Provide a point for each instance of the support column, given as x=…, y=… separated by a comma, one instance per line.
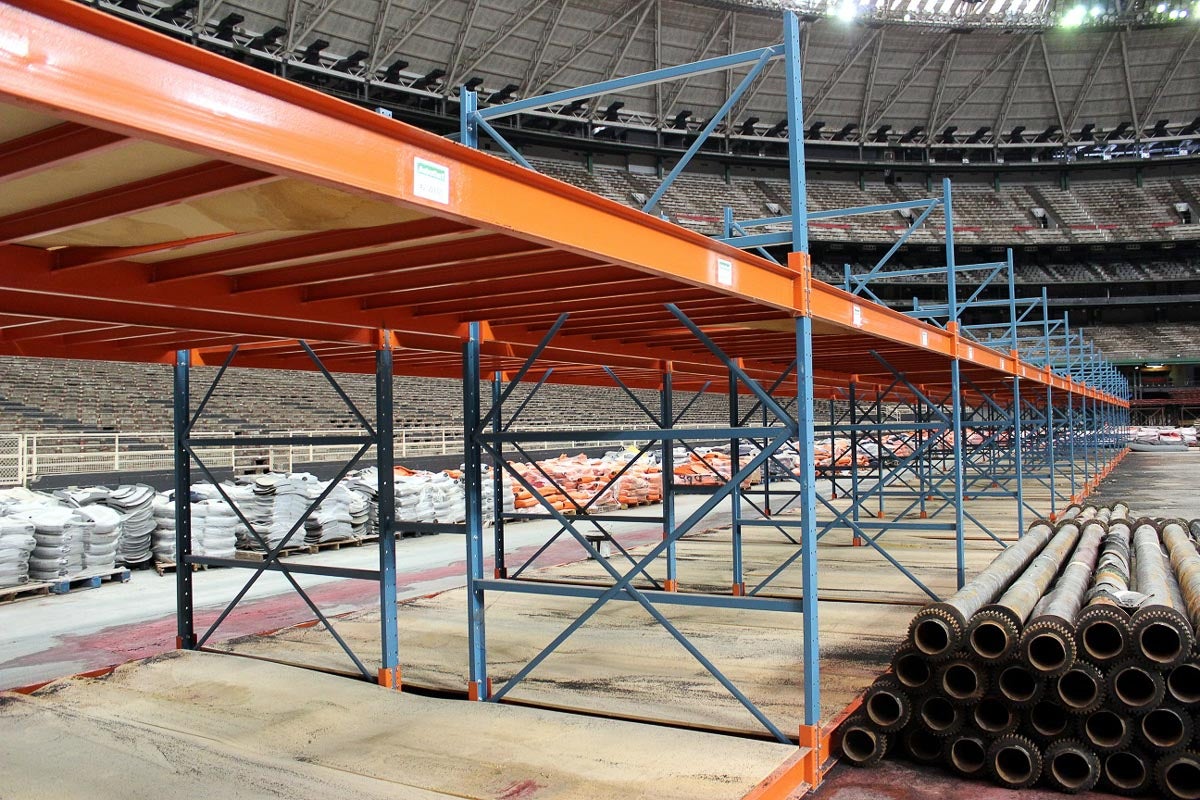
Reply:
x=478, y=683
x=855, y=541
x=1018, y=443
x=498, y=496
x=667, y=421
x=1050, y=452
x=956, y=424
x=766, y=475
x=805, y=433
x=735, y=497
x=185, y=637
x=1076, y=496
x=389, y=670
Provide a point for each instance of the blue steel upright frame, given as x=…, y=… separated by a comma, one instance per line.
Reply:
x=938, y=466
x=187, y=448
x=485, y=437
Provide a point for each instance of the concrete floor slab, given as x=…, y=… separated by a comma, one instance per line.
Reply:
x=187, y=725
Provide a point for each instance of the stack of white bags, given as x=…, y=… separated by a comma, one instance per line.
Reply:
x=61, y=534
x=489, y=507
x=135, y=505
x=101, y=540
x=330, y=521
x=163, y=538
x=16, y=544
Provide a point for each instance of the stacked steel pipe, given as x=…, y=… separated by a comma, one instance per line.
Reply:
x=1071, y=659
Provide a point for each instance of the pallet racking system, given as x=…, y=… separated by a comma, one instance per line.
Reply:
x=163, y=204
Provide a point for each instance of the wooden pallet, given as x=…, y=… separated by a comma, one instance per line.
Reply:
x=338, y=544
x=163, y=567
x=89, y=581
x=305, y=549
x=260, y=555
x=25, y=591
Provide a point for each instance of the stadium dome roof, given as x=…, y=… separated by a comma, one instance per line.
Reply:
x=930, y=65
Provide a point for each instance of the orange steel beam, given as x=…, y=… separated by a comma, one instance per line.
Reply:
x=125, y=282
x=638, y=289
x=78, y=257
x=325, y=243
x=407, y=283
x=44, y=328
x=55, y=146
x=91, y=309
x=593, y=319
x=263, y=123
x=440, y=254
x=202, y=180
x=657, y=325
x=468, y=285
x=115, y=333
x=266, y=123
x=549, y=307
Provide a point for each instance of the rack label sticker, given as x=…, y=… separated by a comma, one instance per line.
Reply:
x=857, y=316
x=924, y=338
x=970, y=352
x=431, y=181
x=724, y=272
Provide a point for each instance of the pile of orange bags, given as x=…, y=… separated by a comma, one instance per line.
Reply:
x=580, y=479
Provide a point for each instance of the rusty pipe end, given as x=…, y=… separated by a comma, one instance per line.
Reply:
x=1071, y=766
x=887, y=705
x=1081, y=688
x=962, y=681
x=1106, y=731
x=1161, y=636
x=862, y=745
x=921, y=745
x=1014, y=761
x=1048, y=720
x=1178, y=775
x=1048, y=647
x=967, y=754
x=1128, y=772
x=937, y=631
x=1020, y=686
x=993, y=634
x=1135, y=687
x=1102, y=633
x=939, y=716
x=1183, y=684
x=911, y=668
x=1165, y=729
x=994, y=716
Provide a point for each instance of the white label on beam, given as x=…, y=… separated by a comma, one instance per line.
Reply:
x=970, y=353
x=724, y=272
x=431, y=181
x=924, y=338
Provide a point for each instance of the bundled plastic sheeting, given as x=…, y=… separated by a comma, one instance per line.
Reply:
x=330, y=521
x=214, y=529
x=61, y=534
x=359, y=510
x=163, y=538
x=365, y=484
x=291, y=499
x=489, y=494
x=135, y=505
x=16, y=544
x=100, y=543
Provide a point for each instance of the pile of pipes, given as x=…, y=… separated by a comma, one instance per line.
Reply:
x=1072, y=658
